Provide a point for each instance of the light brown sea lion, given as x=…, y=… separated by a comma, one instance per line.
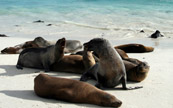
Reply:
x=110, y=70
x=41, y=58
x=10, y=50
x=136, y=72
x=72, y=91
x=19, y=48
x=135, y=48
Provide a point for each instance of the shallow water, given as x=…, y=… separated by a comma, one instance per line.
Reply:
x=85, y=19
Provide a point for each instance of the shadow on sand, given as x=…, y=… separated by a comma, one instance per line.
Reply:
x=30, y=95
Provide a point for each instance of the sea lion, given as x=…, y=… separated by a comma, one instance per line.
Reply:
x=3, y=35
x=39, y=42
x=10, y=50
x=72, y=46
x=41, y=58
x=13, y=50
x=74, y=63
x=72, y=91
x=69, y=63
x=19, y=48
x=110, y=70
x=156, y=34
x=38, y=21
x=136, y=72
x=134, y=48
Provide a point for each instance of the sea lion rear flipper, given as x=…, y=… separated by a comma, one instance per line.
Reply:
x=92, y=72
x=124, y=82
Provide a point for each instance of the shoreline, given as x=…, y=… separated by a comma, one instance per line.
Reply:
x=16, y=87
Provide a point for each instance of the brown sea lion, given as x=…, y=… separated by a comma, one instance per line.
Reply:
x=72, y=91
x=134, y=48
x=110, y=70
x=41, y=58
x=136, y=72
x=74, y=63
x=10, y=50
x=19, y=48
x=69, y=63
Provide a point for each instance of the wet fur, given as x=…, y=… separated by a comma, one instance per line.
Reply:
x=41, y=58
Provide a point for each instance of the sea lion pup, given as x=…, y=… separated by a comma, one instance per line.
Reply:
x=134, y=48
x=74, y=63
x=136, y=72
x=110, y=70
x=19, y=48
x=41, y=58
x=72, y=91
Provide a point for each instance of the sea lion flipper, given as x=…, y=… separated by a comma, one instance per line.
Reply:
x=92, y=72
x=19, y=67
x=123, y=79
x=98, y=85
x=46, y=66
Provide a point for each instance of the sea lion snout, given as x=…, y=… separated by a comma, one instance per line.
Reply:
x=85, y=44
x=61, y=43
x=116, y=104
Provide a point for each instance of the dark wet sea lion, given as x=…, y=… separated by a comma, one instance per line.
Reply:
x=41, y=58
x=38, y=21
x=156, y=34
x=72, y=91
x=134, y=48
x=110, y=70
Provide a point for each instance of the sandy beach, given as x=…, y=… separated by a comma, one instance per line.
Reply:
x=16, y=88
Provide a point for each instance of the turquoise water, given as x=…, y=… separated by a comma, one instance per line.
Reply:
x=108, y=17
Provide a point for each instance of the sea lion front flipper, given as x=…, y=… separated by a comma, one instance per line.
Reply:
x=92, y=72
x=19, y=67
x=124, y=82
x=46, y=67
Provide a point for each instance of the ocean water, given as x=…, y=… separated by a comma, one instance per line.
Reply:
x=85, y=19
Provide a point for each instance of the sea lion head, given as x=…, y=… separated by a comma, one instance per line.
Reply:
x=110, y=100
x=30, y=44
x=143, y=67
x=41, y=42
x=59, y=47
x=96, y=44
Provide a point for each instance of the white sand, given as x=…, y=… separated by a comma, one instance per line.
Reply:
x=16, y=86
